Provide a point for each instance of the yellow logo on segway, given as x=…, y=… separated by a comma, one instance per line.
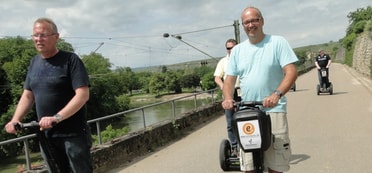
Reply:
x=248, y=128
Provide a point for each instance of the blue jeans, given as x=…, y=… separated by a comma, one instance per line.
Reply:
x=230, y=134
x=72, y=153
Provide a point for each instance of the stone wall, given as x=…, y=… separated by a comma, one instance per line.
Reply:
x=125, y=149
x=340, y=55
x=363, y=54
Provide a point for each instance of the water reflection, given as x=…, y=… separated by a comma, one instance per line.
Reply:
x=152, y=115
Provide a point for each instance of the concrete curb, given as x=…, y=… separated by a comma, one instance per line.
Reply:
x=365, y=80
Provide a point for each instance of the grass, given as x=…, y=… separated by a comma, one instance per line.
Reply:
x=13, y=165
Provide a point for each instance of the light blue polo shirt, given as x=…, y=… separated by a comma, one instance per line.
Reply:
x=259, y=67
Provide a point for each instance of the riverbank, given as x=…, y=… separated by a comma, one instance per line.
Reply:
x=146, y=99
x=174, y=96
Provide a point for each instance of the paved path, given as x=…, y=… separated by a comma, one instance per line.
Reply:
x=329, y=133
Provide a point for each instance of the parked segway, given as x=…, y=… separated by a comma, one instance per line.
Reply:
x=49, y=153
x=252, y=128
x=322, y=86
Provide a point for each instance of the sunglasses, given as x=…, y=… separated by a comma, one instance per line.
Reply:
x=229, y=48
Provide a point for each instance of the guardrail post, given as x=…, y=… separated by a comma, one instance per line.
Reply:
x=99, y=133
x=213, y=96
x=174, y=110
x=144, y=118
x=27, y=154
x=195, y=102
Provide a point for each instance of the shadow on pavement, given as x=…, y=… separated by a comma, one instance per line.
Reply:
x=297, y=158
x=298, y=90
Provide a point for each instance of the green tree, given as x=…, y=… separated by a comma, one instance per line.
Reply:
x=207, y=81
x=63, y=45
x=201, y=71
x=164, y=69
x=172, y=82
x=358, y=18
x=16, y=54
x=143, y=81
x=103, y=92
x=128, y=79
x=360, y=14
x=96, y=64
x=157, y=83
x=190, y=81
x=123, y=102
x=105, y=86
x=5, y=93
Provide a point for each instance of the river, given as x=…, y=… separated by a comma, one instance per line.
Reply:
x=159, y=113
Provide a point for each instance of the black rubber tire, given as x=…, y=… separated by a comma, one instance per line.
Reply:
x=318, y=89
x=225, y=152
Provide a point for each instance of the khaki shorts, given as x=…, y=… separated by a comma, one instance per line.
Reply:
x=278, y=155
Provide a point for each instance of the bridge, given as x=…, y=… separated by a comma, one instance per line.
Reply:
x=329, y=133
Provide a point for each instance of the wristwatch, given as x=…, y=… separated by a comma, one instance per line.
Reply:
x=58, y=117
x=278, y=93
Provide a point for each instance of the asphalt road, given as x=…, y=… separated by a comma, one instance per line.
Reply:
x=329, y=133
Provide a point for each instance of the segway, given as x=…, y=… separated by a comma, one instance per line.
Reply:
x=252, y=129
x=293, y=87
x=322, y=86
x=48, y=151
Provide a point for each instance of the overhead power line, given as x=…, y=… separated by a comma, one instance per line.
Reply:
x=204, y=30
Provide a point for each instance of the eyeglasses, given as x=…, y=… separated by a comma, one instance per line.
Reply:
x=229, y=48
x=252, y=21
x=43, y=36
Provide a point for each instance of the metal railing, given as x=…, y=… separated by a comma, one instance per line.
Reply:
x=145, y=123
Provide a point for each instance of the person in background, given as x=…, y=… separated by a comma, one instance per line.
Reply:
x=219, y=76
x=323, y=61
x=58, y=84
x=266, y=69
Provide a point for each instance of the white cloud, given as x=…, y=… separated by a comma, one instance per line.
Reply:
x=132, y=31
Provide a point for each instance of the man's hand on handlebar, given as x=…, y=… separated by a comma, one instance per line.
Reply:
x=47, y=122
x=270, y=101
x=9, y=127
x=228, y=104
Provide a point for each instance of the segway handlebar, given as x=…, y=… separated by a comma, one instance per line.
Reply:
x=248, y=103
x=32, y=124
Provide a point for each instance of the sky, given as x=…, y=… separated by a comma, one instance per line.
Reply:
x=130, y=33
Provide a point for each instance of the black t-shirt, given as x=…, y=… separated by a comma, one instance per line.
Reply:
x=322, y=60
x=53, y=81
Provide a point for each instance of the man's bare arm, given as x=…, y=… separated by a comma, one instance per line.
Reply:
x=228, y=92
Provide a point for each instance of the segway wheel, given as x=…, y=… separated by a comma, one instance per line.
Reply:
x=331, y=89
x=318, y=89
x=293, y=87
x=225, y=152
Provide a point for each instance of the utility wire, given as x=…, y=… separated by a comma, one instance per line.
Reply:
x=204, y=30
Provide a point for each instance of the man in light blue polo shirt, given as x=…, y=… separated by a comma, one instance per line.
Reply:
x=265, y=66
